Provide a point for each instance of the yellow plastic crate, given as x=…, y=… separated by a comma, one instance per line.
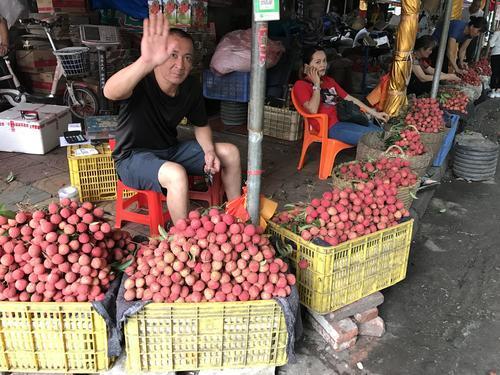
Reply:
x=52, y=337
x=339, y=275
x=194, y=336
x=95, y=175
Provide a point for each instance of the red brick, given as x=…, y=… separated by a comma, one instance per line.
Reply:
x=374, y=327
x=365, y=316
x=345, y=345
x=363, y=304
x=344, y=330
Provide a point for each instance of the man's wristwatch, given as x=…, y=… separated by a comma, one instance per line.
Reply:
x=316, y=87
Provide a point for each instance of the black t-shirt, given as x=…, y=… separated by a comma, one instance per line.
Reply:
x=149, y=118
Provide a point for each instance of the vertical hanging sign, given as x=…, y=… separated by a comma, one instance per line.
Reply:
x=266, y=10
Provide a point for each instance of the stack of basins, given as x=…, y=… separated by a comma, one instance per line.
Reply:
x=475, y=157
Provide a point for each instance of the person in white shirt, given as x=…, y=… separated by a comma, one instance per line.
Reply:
x=495, y=64
x=473, y=11
x=358, y=39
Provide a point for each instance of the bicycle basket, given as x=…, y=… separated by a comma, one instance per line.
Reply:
x=74, y=60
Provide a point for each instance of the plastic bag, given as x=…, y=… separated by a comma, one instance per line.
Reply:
x=12, y=10
x=233, y=53
x=238, y=208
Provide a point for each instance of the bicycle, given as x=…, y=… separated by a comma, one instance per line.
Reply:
x=72, y=63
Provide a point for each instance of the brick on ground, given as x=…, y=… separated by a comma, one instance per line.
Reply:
x=335, y=333
x=366, y=303
x=366, y=315
x=345, y=345
x=374, y=327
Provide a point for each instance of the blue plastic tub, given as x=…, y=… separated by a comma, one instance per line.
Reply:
x=447, y=141
x=232, y=87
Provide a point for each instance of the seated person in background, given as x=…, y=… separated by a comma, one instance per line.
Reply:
x=421, y=71
x=318, y=93
x=358, y=39
x=474, y=10
x=158, y=92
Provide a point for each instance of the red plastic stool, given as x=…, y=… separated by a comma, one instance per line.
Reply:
x=213, y=195
x=147, y=199
x=153, y=202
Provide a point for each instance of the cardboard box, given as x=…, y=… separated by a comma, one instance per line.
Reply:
x=69, y=6
x=36, y=60
x=88, y=18
x=41, y=83
x=33, y=136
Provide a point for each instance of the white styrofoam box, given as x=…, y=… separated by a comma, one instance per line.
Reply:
x=33, y=136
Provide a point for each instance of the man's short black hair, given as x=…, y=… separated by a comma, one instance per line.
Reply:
x=181, y=34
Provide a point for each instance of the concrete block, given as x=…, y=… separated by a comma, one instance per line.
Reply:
x=374, y=327
x=366, y=303
x=270, y=370
x=366, y=315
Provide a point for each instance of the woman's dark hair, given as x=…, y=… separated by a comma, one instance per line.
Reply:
x=309, y=52
x=425, y=42
x=479, y=23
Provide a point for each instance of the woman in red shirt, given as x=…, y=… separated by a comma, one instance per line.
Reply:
x=318, y=93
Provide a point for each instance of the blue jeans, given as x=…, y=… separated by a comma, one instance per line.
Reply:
x=350, y=133
x=140, y=169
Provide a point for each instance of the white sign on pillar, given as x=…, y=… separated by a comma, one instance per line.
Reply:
x=266, y=10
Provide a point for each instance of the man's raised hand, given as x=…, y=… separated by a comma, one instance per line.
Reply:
x=154, y=43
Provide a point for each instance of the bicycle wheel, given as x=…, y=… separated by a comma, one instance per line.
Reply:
x=87, y=102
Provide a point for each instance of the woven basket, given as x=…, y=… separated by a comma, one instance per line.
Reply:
x=469, y=91
x=404, y=193
x=370, y=146
x=282, y=123
x=433, y=141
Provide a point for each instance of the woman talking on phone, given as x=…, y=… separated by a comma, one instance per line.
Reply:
x=318, y=93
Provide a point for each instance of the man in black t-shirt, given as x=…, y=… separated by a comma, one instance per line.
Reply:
x=158, y=92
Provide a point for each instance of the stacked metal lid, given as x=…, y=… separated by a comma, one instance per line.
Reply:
x=475, y=157
x=233, y=113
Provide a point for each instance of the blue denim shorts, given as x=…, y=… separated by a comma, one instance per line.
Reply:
x=140, y=169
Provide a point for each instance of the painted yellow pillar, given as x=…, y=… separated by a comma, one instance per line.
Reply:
x=401, y=66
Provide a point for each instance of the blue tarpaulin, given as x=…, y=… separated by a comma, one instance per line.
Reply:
x=133, y=8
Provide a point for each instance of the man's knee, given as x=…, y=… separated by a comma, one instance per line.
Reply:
x=228, y=153
x=173, y=176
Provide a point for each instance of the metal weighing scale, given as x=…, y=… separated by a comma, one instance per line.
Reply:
x=101, y=38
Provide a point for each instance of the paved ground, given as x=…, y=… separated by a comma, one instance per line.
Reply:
x=443, y=319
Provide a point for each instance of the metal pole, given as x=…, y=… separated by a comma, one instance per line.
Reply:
x=492, y=27
x=480, y=42
x=442, y=47
x=255, y=118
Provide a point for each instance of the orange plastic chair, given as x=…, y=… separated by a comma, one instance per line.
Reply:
x=153, y=202
x=329, y=147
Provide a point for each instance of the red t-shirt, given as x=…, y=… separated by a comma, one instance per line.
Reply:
x=331, y=94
